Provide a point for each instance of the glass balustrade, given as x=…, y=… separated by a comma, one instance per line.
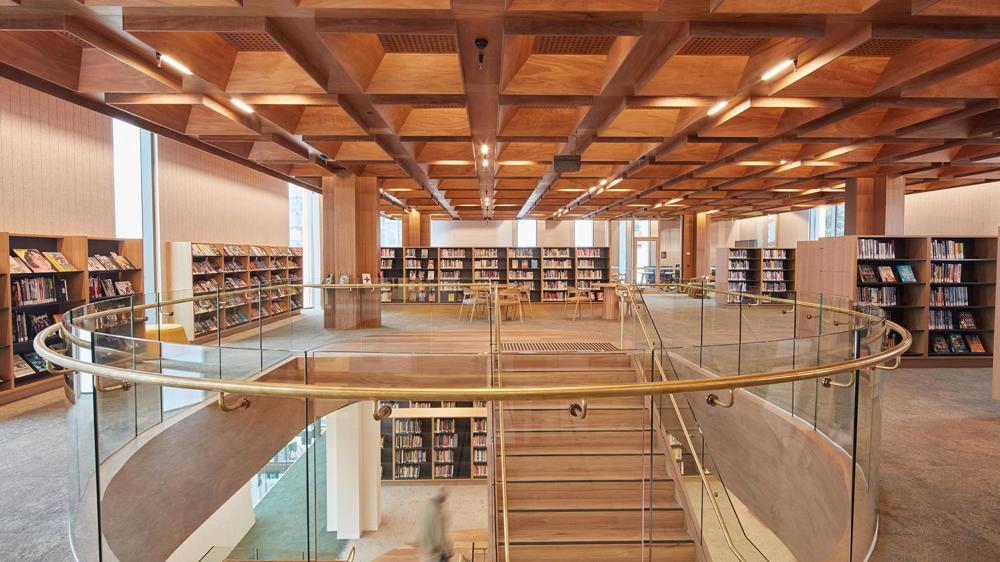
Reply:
x=241, y=455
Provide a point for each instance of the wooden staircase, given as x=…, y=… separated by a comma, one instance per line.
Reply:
x=575, y=487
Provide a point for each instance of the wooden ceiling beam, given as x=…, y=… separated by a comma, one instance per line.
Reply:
x=434, y=22
x=106, y=40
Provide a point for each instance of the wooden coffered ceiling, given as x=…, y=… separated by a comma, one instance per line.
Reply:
x=741, y=107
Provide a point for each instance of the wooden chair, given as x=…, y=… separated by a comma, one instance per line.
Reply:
x=524, y=294
x=509, y=303
x=470, y=298
x=575, y=296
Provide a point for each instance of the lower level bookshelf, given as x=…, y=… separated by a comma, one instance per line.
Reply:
x=427, y=441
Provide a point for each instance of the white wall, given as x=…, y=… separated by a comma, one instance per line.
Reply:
x=963, y=210
x=502, y=233
x=225, y=528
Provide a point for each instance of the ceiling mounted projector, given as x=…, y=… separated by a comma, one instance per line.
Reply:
x=569, y=163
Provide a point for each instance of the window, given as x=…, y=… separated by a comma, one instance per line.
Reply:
x=390, y=231
x=826, y=221
x=772, y=230
x=527, y=233
x=128, y=179
x=303, y=232
x=583, y=233
x=645, y=228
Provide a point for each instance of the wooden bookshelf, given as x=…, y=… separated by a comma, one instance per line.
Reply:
x=558, y=273
x=741, y=271
x=434, y=441
x=777, y=272
x=524, y=268
x=77, y=293
x=871, y=269
x=592, y=267
x=566, y=267
x=203, y=269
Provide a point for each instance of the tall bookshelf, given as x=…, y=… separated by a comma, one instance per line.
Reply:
x=948, y=289
x=592, y=267
x=420, y=267
x=524, y=269
x=777, y=272
x=391, y=272
x=20, y=320
x=434, y=441
x=454, y=264
x=558, y=273
x=741, y=269
x=203, y=269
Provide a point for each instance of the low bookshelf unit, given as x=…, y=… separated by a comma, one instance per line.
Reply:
x=940, y=288
x=428, y=441
x=204, y=269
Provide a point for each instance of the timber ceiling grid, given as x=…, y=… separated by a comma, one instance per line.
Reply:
x=740, y=107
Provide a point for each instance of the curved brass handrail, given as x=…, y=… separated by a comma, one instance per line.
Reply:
x=315, y=391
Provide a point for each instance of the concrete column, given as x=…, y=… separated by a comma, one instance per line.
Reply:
x=353, y=471
x=874, y=205
x=351, y=247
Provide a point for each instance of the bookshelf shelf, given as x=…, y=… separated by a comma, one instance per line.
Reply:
x=949, y=305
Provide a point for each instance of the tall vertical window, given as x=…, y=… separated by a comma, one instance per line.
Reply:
x=527, y=233
x=645, y=228
x=826, y=221
x=772, y=230
x=303, y=232
x=128, y=179
x=390, y=231
x=583, y=233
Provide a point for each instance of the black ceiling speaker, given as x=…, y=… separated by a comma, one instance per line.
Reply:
x=567, y=163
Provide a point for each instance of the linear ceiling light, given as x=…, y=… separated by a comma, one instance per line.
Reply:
x=778, y=69
x=242, y=105
x=717, y=108
x=174, y=63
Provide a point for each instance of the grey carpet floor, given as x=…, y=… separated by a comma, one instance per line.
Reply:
x=940, y=485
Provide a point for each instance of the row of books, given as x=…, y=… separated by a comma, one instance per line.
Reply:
x=27, y=261
x=486, y=253
x=557, y=264
x=27, y=364
x=236, y=317
x=592, y=274
x=444, y=471
x=879, y=296
x=487, y=275
x=738, y=275
x=950, y=296
x=486, y=264
x=523, y=264
x=869, y=248
x=407, y=472
x=773, y=264
x=205, y=325
x=27, y=325
x=444, y=456
x=409, y=441
x=386, y=264
x=555, y=252
x=949, y=320
x=210, y=250
x=479, y=440
x=555, y=285
x=417, y=264
x=38, y=290
x=479, y=456
x=520, y=274
x=204, y=267
x=737, y=265
x=947, y=250
x=420, y=275
x=111, y=262
x=408, y=426
x=772, y=287
x=559, y=274
x=775, y=254
x=445, y=440
x=107, y=288
x=590, y=252
x=411, y=456
x=946, y=273
x=886, y=274
x=956, y=344
x=773, y=276
x=735, y=253
x=588, y=264
x=452, y=264
x=413, y=253
x=457, y=253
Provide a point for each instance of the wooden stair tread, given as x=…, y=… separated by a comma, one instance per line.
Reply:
x=681, y=551
x=587, y=495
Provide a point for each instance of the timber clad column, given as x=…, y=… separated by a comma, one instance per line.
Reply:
x=416, y=229
x=874, y=206
x=351, y=246
x=695, y=248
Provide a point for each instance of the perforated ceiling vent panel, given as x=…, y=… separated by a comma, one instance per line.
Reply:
x=573, y=44
x=258, y=42
x=417, y=43
x=880, y=47
x=721, y=46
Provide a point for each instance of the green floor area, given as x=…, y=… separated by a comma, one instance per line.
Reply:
x=282, y=527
